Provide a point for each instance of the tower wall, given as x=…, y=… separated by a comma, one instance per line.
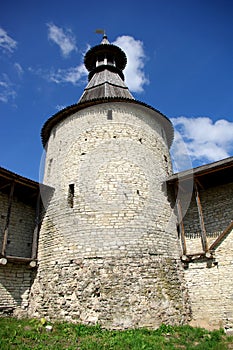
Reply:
x=108, y=249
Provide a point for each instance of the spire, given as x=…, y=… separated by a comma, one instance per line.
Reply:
x=105, y=63
x=105, y=40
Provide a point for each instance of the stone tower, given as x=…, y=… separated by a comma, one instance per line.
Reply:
x=108, y=249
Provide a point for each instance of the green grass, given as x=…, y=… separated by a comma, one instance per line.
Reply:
x=32, y=334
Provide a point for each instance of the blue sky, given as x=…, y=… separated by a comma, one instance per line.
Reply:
x=180, y=61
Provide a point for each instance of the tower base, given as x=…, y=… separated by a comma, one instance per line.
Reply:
x=117, y=293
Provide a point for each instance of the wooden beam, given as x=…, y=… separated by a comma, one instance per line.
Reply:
x=181, y=227
x=180, y=220
x=201, y=219
x=18, y=259
x=6, y=230
x=199, y=183
x=36, y=228
x=3, y=261
x=221, y=236
x=4, y=186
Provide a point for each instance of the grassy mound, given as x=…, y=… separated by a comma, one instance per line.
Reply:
x=38, y=334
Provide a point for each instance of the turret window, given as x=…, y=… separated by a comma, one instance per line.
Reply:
x=109, y=116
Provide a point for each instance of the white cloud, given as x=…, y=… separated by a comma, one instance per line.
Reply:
x=73, y=75
x=60, y=107
x=18, y=69
x=63, y=38
x=6, y=42
x=201, y=140
x=134, y=72
x=179, y=154
x=7, y=91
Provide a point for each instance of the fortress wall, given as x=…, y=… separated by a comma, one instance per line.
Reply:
x=16, y=279
x=108, y=248
x=210, y=288
x=210, y=285
x=108, y=177
x=118, y=293
x=217, y=204
x=21, y=226
x=15, y=283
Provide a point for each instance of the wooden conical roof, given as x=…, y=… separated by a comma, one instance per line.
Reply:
x=105, y=63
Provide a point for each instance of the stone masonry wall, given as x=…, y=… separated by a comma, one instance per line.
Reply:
x=217, y=207
x=108, y=177
x=210, y=285
x=210, y=288
x=117, y=293
x=108, y=238
x=16, y=279
x=15, y=283
x=21, y=226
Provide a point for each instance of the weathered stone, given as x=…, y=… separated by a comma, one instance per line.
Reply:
x=117, y=248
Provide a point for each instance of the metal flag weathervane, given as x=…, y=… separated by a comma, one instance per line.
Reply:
x=100, y=31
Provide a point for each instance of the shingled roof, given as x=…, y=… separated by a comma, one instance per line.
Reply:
x=105, y=63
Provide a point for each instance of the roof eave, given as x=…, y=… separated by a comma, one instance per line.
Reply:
x=202, y=170
x=66, y=112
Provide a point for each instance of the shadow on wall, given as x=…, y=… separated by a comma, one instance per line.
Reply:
x=15, y=283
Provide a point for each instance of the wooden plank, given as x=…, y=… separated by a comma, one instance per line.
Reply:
x=18, y=259
x=201, y=219
x=199, y=183
x=221, y=236
x=37, y=228
x=6, y=230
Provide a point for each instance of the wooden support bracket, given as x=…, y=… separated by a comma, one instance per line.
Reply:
x=6, y=230
x=221, y=236
x=181, y=227
x=201, y=219
x=37, y=228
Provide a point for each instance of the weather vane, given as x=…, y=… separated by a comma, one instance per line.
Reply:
x=100, y=31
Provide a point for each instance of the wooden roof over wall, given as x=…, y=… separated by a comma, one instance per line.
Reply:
x=209, y=175
x=25, y=190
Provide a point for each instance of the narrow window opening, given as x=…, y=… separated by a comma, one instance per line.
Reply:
x=178, y=230
x=50, y=166
x=71, y=195
x=109, y=116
